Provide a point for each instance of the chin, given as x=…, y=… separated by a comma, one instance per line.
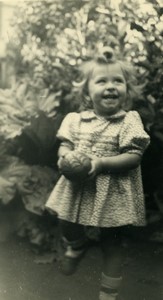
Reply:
x=111, y=112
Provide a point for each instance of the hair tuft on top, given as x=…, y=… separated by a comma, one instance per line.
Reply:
x=106, y=54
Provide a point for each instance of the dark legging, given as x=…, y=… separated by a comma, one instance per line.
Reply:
x=73, y=231
x=110, y=240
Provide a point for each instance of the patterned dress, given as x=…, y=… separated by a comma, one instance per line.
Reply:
x=109, y=199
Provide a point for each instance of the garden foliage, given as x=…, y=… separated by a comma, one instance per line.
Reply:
x=51, y=38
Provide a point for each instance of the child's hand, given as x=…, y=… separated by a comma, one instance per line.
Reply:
x=59, y=162
x=61, y=157
x=96, y=167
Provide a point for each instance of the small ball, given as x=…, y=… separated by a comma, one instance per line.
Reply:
x=75, y=166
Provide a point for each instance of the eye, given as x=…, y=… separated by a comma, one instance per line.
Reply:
x=119, y=80
x=101, y=81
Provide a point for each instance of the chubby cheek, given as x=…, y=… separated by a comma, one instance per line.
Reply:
x=94, y=92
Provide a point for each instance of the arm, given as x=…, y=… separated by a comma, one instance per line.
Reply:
x=120, y=163
x=64, y=148
x=133, y=141
x=66, y=133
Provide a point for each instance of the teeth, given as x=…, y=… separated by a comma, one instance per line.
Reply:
x=109, y=96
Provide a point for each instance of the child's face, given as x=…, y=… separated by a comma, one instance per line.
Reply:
x=107, y=88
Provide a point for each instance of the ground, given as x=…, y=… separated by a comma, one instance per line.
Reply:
x=21, y=278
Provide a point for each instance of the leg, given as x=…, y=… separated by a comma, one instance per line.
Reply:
x=72, y=231
x=113, y=253
x=74, y=242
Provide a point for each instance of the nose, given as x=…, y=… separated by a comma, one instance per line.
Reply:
x=110, y=86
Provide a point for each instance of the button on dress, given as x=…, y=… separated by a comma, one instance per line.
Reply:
x=109, y=199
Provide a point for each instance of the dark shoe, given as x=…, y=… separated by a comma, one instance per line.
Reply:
x=68, y=265
x=105, y=296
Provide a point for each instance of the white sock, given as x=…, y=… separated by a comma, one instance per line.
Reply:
x=73, y=253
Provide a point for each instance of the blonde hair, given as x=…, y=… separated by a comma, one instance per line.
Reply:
x=106, y=56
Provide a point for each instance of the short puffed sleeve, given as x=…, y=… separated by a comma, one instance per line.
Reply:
x=68, y=128
x=133, y=138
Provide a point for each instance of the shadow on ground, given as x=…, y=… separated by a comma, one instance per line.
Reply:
x=21, y=278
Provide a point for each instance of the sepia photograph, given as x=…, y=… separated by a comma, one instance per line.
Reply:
x=81, y=150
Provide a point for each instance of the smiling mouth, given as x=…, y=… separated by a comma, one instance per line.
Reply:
x=110, y=96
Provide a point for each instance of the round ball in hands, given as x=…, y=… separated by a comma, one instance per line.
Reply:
x=75, y=166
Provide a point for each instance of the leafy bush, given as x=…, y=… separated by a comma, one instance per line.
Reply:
x=51, y=39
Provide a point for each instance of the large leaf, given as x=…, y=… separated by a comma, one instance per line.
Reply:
x=36, y=188
x=22, y=104
x=7, y=190
x=42, y=130
x=12, y=174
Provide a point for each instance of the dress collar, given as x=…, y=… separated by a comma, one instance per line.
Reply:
x=90, y=114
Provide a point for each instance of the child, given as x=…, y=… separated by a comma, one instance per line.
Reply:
x=112, y=196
